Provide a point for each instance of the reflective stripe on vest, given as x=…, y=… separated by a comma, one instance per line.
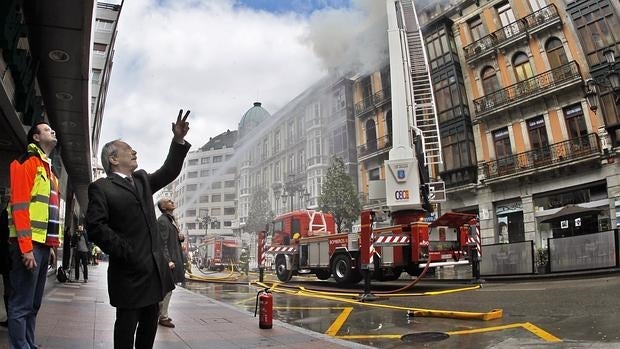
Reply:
x=38, y=209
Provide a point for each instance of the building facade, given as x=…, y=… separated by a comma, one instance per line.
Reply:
x=205, y=192
x=288, y=154
x=104, y=38
x=519, y=138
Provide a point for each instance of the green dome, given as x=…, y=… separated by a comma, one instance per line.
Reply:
x=252, y=118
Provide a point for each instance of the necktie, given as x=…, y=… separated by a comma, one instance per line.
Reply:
x=130, y=180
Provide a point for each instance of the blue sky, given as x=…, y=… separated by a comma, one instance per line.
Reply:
x=297, y=6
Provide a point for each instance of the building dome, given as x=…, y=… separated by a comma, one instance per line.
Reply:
x=252, y=118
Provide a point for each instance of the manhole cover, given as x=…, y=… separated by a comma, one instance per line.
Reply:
x=424, y=337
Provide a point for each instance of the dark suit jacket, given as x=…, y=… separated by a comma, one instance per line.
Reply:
x=120, y=219
x=172, y=246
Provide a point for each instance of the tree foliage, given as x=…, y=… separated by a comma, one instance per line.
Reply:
x=339, y=195
x=260, y=212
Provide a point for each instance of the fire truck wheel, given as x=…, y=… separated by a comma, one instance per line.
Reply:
x=323, y=274
x=283, y=274
x=341, y=269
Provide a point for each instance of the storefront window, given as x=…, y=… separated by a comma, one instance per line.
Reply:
x=509, y=222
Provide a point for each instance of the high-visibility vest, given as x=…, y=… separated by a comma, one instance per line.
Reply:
x=32, y=181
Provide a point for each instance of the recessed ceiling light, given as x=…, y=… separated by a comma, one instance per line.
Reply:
x=59, y=56
x=64, y=96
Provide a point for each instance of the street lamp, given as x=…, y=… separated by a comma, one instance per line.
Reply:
x=611, y=80
x=291, y=188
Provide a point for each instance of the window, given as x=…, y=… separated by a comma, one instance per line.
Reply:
x=456, y=147
x=523, y=69
x=227, y=223
x=104, y=25
x=192, y=162
x=99, y=49
x=265, y=149
x=555, y=53
x=276, y=142
x=575, y=121
x=538, y=138
x=204, y=198
x=371, y=135
x=192, y=187
x=217, y=158
x=229, y=184
x=476, y=29
x=190, y=213
x=374, y=174
x=536, y=5
x=216, y=185
x=193, y=174
x=507, y=17
x=229, y=197
x=216, y=211
x=501, y=139
x=216, y=198
x=96, y=76
x=229, y=211
x=490, y=83
x=594, y=24
x=366, y=87
x=205, y=160
x=205, y=173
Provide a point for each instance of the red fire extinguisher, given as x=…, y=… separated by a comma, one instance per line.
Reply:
x=264, y=304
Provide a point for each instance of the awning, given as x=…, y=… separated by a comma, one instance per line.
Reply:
x=230, y=244
x=570, y=211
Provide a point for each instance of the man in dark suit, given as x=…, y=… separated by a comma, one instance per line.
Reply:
x=121, y=220
x=173, y=251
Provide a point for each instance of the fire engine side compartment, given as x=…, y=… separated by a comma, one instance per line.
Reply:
x=316, y=252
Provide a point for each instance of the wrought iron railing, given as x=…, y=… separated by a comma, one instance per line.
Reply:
x=553, y=154
x=374, y=145
x=522, y=90
x=372, y=101
x=521, y=26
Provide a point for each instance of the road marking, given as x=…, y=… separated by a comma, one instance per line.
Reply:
x=544, y=335
x=337, y=324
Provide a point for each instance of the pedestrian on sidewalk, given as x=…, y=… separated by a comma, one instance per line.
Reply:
x=80, y=244
x=173, y=252
x=120, y=219
x=32, y=233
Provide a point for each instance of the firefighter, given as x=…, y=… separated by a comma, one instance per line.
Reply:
x=244, y=260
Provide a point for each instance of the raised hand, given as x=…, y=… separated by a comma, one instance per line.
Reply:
x=180, y=127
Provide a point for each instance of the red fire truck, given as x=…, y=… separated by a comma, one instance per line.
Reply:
x=218, y=252
x=299, y=247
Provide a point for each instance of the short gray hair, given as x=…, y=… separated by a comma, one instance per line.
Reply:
x=109, y=149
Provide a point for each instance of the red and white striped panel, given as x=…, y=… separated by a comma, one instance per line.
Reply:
x=281, y=249
x=392, y=239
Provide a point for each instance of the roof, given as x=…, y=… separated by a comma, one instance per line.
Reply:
x=252, y=118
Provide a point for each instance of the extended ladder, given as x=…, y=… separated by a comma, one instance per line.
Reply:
x=424, y=110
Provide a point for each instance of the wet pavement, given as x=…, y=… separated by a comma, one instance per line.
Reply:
x=561, y=313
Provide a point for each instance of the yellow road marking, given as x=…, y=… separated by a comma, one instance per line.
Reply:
x=544, y=335
x=337, y=324
x=541, y=333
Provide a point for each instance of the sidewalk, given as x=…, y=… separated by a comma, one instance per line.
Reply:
x=79, y=316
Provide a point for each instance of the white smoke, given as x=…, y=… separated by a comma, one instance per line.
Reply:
x=352, y=39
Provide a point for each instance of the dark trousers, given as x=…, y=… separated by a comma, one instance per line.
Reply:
x=26, y=295
x=81, y=258
x=145, y=319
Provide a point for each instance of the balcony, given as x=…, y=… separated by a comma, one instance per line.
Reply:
x=540, y=85
x=570, y=151
x=374, y=147
x=372, y=102
x=512, y=33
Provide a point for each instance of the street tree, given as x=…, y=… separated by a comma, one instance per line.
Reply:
x=339, y=195
x=260, y=213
